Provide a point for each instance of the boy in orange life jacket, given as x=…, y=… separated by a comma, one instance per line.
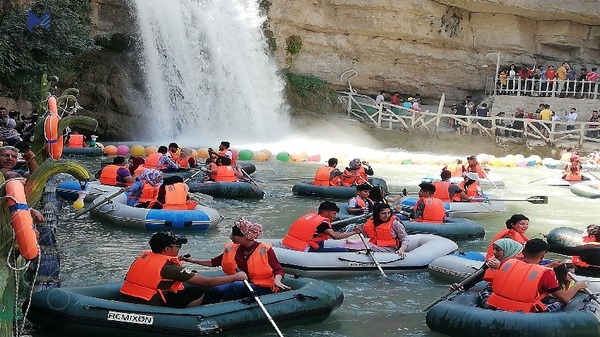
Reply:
x=328, y=175
x=156, y=277
x=428, y=208
x=309, y=232
x=256, y=259
x=361, y=204
x=520, y=285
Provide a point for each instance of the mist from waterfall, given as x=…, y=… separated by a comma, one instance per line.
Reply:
x=208, y=74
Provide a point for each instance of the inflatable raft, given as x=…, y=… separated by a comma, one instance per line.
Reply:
x=117, y=212
x=82, y=151
x=587, y=189
x=456, y=267
x=228, y=190
x=423, y=249
x=96, y=311
x=456, y=229
x=473, y=209
x=491, y=180
x=68, y=190
x=307, y=189
x=461, y=316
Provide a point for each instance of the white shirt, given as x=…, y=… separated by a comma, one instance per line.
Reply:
x=571, y=118
x=379, y=99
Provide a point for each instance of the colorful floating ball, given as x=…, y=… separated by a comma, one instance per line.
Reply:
x=194, y=153
x=137, y=150
x=283, y=156
x=260, y=156
x=245, y=155
x=110, y=150
x=202, y=152
x=267, y=152
x=151, y=149
x=314, y=158
x=235, y=153
x=297, y=157
x=122, y=150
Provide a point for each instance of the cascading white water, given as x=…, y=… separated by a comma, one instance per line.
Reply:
x=208, y=73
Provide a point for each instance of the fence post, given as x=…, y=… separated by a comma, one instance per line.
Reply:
x=439, y=113
x=349, y=107
x=379, y=114
x=581, y=133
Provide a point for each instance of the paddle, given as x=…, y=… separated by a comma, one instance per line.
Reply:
x=461, y=284
x=590, y=173
x=490, y=180
x=192, y=176
x=538, y=199
x=370, y=252
x=261, y=305
x=586, y=290
x=96, y=205
x=286, y=179
x=348, y=220
x=555, y=174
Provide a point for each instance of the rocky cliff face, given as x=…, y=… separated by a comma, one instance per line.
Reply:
x=432, y=46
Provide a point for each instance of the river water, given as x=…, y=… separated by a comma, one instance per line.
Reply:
x=94, y=252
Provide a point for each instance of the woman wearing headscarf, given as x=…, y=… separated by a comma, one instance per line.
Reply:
x=145, y=188
x=516, y=226
x=503, y=249
x=257, y=260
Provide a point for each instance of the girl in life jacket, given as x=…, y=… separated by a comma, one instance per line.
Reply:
x=145, y=189
x=386, y=232
x=361, y=204
x=516, y=226
x=573, y=170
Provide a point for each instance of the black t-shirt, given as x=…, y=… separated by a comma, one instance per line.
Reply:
x=461, y=110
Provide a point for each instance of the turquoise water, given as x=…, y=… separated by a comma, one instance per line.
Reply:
x=94, y=252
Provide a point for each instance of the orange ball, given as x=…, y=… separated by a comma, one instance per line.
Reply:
x=151, y=149
x=202, y=152
x=260, y=156
x=110, y=150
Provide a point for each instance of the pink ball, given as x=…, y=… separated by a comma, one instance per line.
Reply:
x=235, y=153
x=122, y=150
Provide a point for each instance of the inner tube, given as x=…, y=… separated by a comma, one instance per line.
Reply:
x=54, y=141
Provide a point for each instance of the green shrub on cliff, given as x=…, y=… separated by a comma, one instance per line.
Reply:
x=294, y=44
x=25, y=55
x=310, y=93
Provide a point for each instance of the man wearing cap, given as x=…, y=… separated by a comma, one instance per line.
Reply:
x=473, y=166
x=309, y=232
x=428, y=208
x=257, y=260
x=521, y=285
x=156, y=277
x=361, y=204
x=573, y=170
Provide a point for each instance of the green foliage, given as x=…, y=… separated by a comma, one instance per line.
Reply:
x=310, y=93
x=115, y=42
x=294, y=44
x=25, y=55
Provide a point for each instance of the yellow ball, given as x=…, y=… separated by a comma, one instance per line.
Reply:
x=297, y=157
x=194, y=153
x=151, y=149
x=137, y=150
x=110, y=150
x=78, y=204
x=203, y=153
x=260, y=156
x=267, y=152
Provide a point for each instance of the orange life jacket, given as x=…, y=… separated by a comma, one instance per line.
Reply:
x=441, y=190
x=175, y=197
x=576, y=259
x=108, y=176
x=477, y=169
x=75, y=141
x=225, y=174
x=382, y=234
x=260, y=272
x=434, y=210
x=505, y=233
x=516, y=287
x=139, y=170
x=183, y=162
x=152, y=161
x=322, y=176
x=352, y=179
x=471, y=191
x=143, y=277
x=233, y=156
x=303, y=232
x=361, y=172
x=149, y=192
x=573, y=173
x=455, y=169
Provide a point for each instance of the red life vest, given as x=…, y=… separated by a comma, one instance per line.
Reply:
x=108, y=176
x=233, y=156
x=322, y=176
x=382, y=234
x=352, y=179
x=477, y=169
x=143, y=277
x=573, y=173
x=183, y=162
x=152, y=161
x=471, y=191
x=225, y=174
x=516, y=287
x=139, y=170
x=434, y=210
x=303, y=232
x=441, y=190
x=75, y=141
x=149, y=192
x=361, y=172
x=455, y=169
x=505, y=233
x=259, y=271
x=175, y=197
x=576, y=259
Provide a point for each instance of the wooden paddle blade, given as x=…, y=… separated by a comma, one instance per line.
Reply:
x=540, y=199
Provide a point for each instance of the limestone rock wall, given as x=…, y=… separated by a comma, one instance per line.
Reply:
x=429, y=46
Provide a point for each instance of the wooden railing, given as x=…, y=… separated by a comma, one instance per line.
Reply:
x=542, y=88
x=391, y=116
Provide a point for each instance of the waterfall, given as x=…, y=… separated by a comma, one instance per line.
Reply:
x=208, y=73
